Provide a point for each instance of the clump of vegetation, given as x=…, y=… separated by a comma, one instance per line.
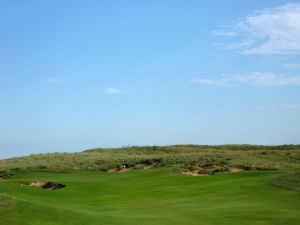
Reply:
x=208, y=165
x=5, y=174
x=290, y=181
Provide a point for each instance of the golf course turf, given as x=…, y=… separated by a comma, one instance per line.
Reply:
x=143, y=197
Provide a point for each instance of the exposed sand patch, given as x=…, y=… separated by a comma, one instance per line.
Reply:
x=123, y=170
x=201, y=172
x=144, y=166
x=195, y=174
x=44, y=185
x=236, y=170
x=37, y=184
x=114, y=170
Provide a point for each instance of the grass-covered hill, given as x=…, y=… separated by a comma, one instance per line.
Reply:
x=248, y=157
x=229, y=184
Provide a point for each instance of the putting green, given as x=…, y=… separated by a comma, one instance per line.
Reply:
x=144, y=197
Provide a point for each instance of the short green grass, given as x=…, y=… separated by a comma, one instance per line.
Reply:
x=148, y=197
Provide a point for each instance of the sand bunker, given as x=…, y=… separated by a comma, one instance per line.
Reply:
x=203, y=173
x=236, y=170
x=45, y=185
x=195, y=174
x=127, y=168
x=118, y=170
x=144, y=166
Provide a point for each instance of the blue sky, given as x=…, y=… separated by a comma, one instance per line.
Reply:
x=83, y=74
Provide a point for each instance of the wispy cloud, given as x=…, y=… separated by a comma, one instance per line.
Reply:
x=238, y=45
x=251, y=79
x=55, y=81
x=292, y=65
x=269, y=31
x=224, y=32
x=112, y=90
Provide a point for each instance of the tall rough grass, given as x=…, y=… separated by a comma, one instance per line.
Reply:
x=285, y=157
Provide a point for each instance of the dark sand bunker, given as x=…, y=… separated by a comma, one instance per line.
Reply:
x=45, y=185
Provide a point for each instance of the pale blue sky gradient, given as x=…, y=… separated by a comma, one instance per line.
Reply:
x=84, y=74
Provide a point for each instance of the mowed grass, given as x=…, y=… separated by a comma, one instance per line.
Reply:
x=143, y=197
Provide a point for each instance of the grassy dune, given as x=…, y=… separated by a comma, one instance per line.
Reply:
x=266, y=192
x=285, y=157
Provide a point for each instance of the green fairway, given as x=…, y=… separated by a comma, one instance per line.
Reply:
x=142, y=197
